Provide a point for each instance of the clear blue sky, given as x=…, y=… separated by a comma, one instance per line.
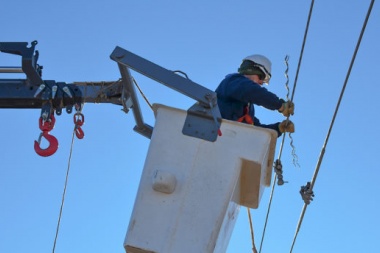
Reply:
x=207, y=40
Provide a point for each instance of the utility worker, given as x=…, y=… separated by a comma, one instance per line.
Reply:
x=238, y=93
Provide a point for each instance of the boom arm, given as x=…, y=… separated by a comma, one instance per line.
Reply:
x=203, y=119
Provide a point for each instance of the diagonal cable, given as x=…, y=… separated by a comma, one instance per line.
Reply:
x=332, y=122
x=283, y=138
x=63, y=194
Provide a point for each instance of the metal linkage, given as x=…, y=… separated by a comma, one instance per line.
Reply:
x=78, y=122
x=29, y=60
x=130, y=92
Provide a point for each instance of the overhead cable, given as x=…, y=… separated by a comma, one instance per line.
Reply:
x=332, y=123
x=283, y=138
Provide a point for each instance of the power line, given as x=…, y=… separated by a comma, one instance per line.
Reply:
x=291, y=99
x=332, y=122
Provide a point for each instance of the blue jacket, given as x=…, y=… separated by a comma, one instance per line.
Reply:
x=236, y=91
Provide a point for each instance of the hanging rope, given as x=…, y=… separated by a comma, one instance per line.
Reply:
x=64, y=193
x=254, y=250
x=311, y=185
x=142, y=94
x=79, y=108
x=283, y=138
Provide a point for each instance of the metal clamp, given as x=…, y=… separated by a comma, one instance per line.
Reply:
x=307, y=193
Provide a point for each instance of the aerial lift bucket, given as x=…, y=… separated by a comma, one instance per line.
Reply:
x=191, y=189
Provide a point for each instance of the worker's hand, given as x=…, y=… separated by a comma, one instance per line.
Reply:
x=287, y=108
x=286, y=126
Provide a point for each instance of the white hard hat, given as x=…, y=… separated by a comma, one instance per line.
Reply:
x=263, y=63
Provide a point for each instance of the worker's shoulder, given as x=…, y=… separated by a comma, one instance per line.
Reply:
x=234, y=81
x=234, y=78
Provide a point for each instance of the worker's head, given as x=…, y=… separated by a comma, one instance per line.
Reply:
x=257, y=68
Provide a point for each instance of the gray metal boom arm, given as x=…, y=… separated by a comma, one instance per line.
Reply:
x=164, y=76
x=203, y=118
x=34, y=92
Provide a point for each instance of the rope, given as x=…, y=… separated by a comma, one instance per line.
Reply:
x=142, y=94
x=291, y=99
x=252, y=234
x=332, y=122
x=267, y=216
x=64, y=193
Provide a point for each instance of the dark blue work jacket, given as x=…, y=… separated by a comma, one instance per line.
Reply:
x=236, y=91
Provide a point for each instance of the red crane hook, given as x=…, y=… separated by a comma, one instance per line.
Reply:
x=79, y=121
x=79, y=132
x=51, y=149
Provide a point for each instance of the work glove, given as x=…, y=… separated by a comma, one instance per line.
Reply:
x=286, y=126
x=287, y=108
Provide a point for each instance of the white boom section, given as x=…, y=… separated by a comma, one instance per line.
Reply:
x=191, y=189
